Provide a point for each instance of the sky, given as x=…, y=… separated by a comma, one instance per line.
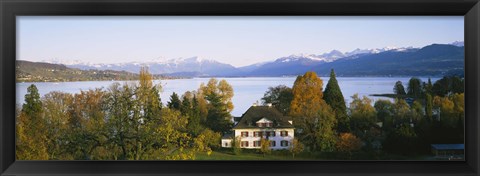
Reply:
x=239, y=41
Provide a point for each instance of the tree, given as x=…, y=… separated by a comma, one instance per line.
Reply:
x=218, y=118
x=86, y=124
x=186, y=107
x=399, y=89
x=296, y=147
x=363, y=115
x=317, y=131
x=166, y=138
x=207, y=140
x=429, y=106
x=280, y=97
x=402, y=140
x=120, y=126
x=33, y=105
x=265, y=146
x=311, y=114
x=221, y=90
x=385, y=113
x=307, y=96
x=147, y=95
x=347, y=142
x=194, y=125
x=402, y=112
x=237, y=150
x=414, y=87
x=218, y=95
x=56, y=106
x=448, y=85
x=446, y=107
x=31, y=140
x=416, y=111
x=174, y=102
x=333, y=96
x=428, y=87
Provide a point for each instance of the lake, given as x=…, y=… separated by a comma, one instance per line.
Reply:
x=246, y=90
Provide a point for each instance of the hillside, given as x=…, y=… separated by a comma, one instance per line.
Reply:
x=45, y=72
x=432, y=60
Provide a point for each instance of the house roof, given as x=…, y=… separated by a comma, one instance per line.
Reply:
x=227, y=136
x=448, y=146
x=255, y=113
x=236, y=119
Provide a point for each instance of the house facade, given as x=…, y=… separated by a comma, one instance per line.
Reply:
x=262, y=122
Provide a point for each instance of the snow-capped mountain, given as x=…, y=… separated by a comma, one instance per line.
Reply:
x=377, y=50
x=192, y=66
x=289, y=65
x=458, y=43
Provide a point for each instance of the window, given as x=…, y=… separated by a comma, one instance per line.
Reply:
x=245, y=134
x=283, y=133
x=257, y=134
x=244, y=144
x=270, y=133
x=284, y=143
x=269, y=124
x=259, y=124
x=225, y=144
x=256, y=143
x=272, y=143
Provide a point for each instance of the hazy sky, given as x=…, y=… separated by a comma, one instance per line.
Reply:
x=239, y=41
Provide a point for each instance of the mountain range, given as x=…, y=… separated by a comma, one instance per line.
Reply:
x=431, y=60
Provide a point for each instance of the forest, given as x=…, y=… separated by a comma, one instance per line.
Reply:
x=129, y=121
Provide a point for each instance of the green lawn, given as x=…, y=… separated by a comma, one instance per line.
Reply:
x=250, y=155
x=223, y=154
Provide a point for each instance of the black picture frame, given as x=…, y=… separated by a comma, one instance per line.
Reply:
x=9, y=9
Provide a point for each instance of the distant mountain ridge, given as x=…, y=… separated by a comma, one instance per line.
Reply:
x=385, y=61
x=27, y=71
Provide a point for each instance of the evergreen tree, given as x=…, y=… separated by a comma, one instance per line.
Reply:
x=428, y=87
x=33, y=105
x=31, y=131
x=429, y=106
x=399, y=89
x=174, y=102
x=333, y=96
x=218, y=116
x=414, y=87
x=194, y=120
x=186, y=106
x=219, y=97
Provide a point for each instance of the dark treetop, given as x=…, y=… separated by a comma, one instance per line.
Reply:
x=255, y=113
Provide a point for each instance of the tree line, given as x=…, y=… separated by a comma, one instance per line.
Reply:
x=421, y=115
x=129, y=121
x=123, y=122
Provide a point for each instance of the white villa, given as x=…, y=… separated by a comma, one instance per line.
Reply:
x=262, y=122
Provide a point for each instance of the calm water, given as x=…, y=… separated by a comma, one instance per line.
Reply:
x=247, y=90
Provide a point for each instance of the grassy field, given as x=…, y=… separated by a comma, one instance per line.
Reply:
x=223, y=154
x=251, y=155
